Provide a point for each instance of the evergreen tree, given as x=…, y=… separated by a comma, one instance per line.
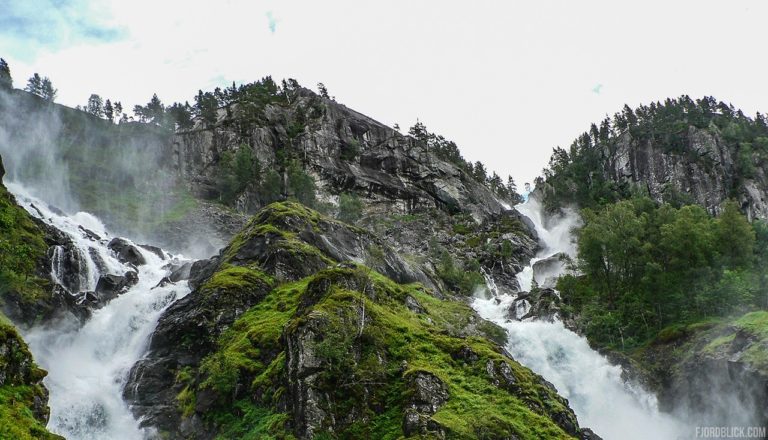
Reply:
x=47, y=91
x=511, y=185
x=155, y=111
x=35, y=85
x=109, y=111
x=181, y=114
x=323, y=90
x=206, y=107
x=95, y=105
x=735, y=237
x=6, y=81
x=118, y=107
x=480, y=174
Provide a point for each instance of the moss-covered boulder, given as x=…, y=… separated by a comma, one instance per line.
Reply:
x=23, y=398
x=304, y=327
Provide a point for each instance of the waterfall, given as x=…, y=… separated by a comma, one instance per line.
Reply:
x=88, y=363
x=596, y=392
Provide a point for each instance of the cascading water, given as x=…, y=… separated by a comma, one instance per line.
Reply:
x=88, y=363
x=601, y=399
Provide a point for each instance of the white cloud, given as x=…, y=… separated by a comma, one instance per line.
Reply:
x=506, y=80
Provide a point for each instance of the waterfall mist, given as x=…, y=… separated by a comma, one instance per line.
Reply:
x=123, y=173
x=88, y=363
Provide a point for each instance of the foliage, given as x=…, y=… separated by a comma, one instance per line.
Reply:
x=449, y=151
x=22, y=247
x=95, y=105
x=153, y=112
x=350, y=150
x=236, y=171
x=301, y=185
x=350, y=207
x=580, y=175
x=646, y=267
x=20, y=391
x=6, y=81
x=462, y=280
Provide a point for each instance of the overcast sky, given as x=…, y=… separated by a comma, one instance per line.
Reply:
x=506, y=80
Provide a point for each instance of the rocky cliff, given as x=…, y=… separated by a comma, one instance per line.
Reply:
x=342, y=149
x=680, y=151
x=305, y=327
x=706, y=173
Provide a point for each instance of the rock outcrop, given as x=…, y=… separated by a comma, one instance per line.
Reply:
x=308, y=326
x=394, y=172
x=23, y=397
x=706, y=173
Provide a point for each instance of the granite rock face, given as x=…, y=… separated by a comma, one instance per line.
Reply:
x=707, y=173
x=389, y=169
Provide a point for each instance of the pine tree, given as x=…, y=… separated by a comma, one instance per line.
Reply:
x=35, y=85
x=480, y=174
x=109, y=111
x=6, y=82
x=47, y=91
x=95, y=105
x=155, y=110
x=323, y=90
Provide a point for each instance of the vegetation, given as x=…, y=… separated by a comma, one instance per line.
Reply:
x=449, y=151
x=578, y=175
x=369, y=346
x=22, y=247
x=350, y=208
x=236, y=171
x=463, y=280
x=6, y=81
x=41, y=87
x=646, y=267
x=20, y=389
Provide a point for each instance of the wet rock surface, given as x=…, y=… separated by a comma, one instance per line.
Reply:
x=126, y=252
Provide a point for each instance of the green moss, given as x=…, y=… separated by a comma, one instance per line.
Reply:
x=475, y=405
x=366, y=366
x=718, y=343
x=251, y=346
x=186, y=401
x=283, y=238
x=16, y=418
x=17, y=396
x=22, y=247
x=755, y=323
x=236, y=278
x=253, y=423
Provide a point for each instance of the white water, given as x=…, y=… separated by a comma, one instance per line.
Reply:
x=88, y=365
x=602, y=401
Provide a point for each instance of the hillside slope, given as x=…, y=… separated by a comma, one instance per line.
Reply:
x=304, y=327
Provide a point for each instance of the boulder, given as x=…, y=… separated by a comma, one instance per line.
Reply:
x=110, y=286
x=126, y=253
x=427, y=394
